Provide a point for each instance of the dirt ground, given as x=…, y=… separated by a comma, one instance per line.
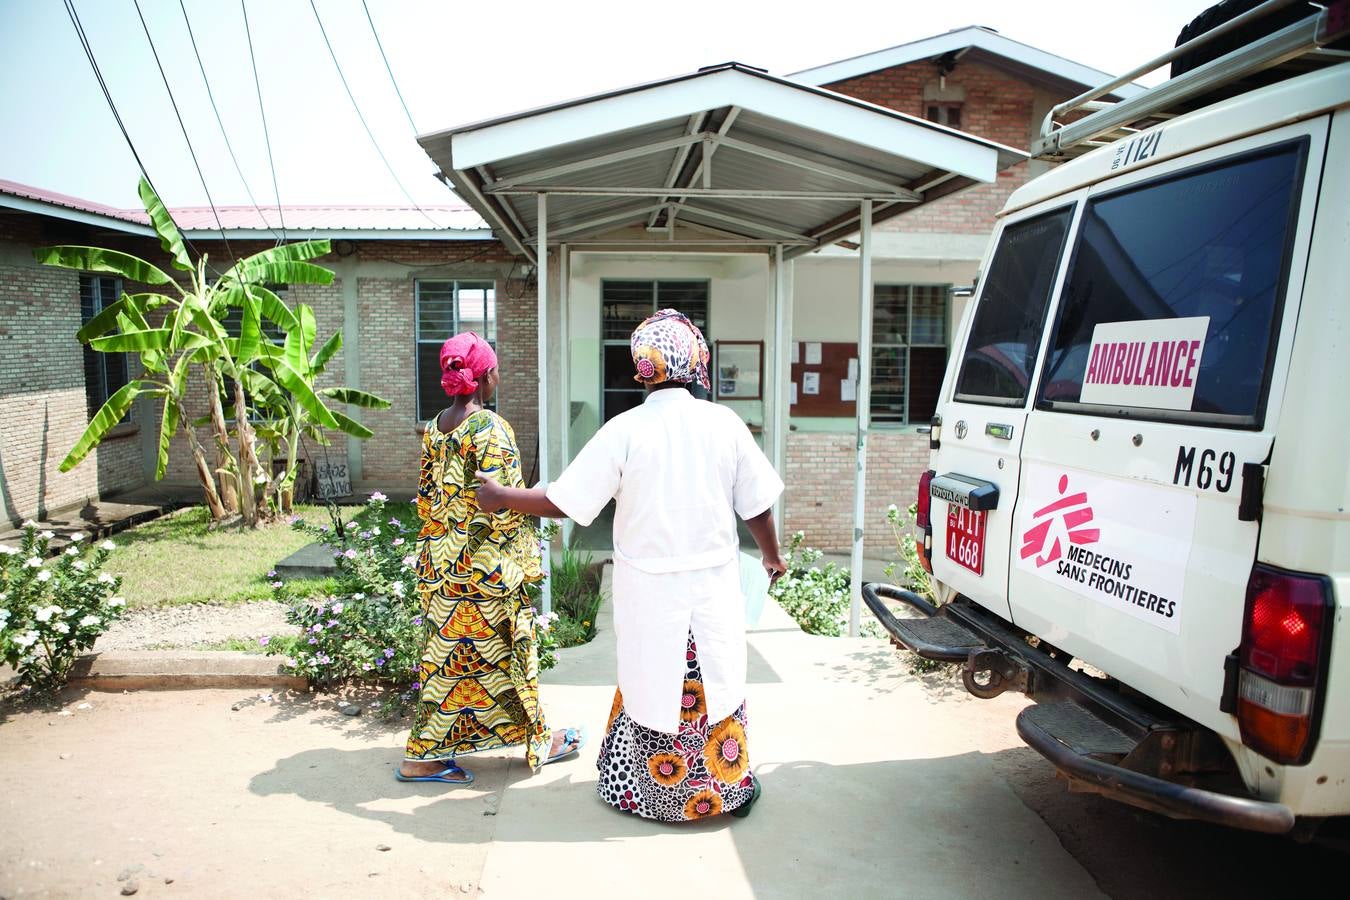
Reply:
x=877, y=783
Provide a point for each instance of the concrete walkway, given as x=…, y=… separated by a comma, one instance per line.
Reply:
x=870, y=791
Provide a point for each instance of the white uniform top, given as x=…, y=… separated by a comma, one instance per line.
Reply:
x=681, y=470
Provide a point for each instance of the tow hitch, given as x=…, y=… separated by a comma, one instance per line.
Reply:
x=988, y=673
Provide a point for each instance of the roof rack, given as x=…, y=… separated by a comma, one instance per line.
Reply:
x=1294, y=49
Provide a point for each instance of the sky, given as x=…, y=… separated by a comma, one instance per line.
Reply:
x=454, y=62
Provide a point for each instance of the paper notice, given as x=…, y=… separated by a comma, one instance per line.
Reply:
x=812, y=354
x=796, y=352
x=852, y=370
x=848, y=391
x=793, y=400
x=811, y=382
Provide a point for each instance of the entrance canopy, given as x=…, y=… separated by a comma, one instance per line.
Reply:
x=740, y=157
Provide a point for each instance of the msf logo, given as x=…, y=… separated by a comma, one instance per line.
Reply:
x=1058, y=525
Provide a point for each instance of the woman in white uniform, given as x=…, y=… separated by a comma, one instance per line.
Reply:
x=681, y=470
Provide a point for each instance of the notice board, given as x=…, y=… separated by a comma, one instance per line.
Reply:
x=832, y=372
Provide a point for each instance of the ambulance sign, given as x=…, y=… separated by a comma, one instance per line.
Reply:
x=1121, y=543
x=1150, y=364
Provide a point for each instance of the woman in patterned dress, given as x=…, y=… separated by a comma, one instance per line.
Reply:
x=681, y=470
x=480, y=665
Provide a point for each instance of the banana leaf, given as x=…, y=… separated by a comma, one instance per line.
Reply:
x=153, y=340
x=130, y=320
x=300, y=388
x=169, y=237
x=300, y=339
x=348, y=425
x=272, y=307
x=96, y=259
x=297, y=252
x=326, y=354
x=106, y=419
x=102, y=323
x=355, y=398
x=287, y=273
x=250, y=330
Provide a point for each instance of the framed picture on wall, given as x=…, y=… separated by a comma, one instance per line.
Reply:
x=738, y=370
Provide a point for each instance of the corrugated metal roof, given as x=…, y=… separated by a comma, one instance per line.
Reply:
x=201, y=220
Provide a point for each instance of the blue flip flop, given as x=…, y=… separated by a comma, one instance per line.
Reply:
x=450, y=769
x=575, y=736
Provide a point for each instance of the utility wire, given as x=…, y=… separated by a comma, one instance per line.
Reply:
x=112, y=106
x=364, y=124
x=387, y=67
x=206, y=81
x=183, y=128
x=263, y=113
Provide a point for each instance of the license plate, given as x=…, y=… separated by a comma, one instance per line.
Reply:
x=965, y=538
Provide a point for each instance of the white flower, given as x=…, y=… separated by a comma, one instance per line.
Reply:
x=44, y=575
x=33, y=562
x=337, y=608
x=29, y=523
x=72, y=551
x=410, y=561
x=376, y=531
x=399, y=589
x=8, y=550
x=89, y=620
x=44, y=614
x=62, y=628
x=358, y=596
x=27, y=639
x=108, y=545
x=116, y=602
x=77, y=537
x=4, y=614
x=81, y=565
x=47, y=535
x=104, y=578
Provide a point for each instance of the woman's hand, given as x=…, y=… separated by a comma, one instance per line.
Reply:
x=491, y=494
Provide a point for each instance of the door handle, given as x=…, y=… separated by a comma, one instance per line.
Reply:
x=999, y=430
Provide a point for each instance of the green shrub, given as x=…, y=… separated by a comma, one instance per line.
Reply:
x=53, y=609
x=911, y=572
x=576, y=598
x=817, y=598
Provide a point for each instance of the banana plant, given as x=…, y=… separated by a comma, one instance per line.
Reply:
x=189, y=334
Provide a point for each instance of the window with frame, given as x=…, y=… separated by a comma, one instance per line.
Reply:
x=1000, y=352
x=623, y=306
x=1204, y=254
x=909, y=351
x=943, y=113
x=104, y=373
x=443, y=310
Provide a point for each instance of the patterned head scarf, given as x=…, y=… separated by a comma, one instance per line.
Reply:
x=465, y=359
x=669, y=347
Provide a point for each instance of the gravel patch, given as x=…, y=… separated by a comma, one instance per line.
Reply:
x=194, y=626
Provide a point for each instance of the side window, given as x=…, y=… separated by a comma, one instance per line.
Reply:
x=1005, y=337
x=1171, y=305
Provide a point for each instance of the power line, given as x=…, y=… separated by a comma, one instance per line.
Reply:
x=183, y=128
x=112, y=106
x=206, y=81
x=387, y=67
x=262, y=111
x=364, y=124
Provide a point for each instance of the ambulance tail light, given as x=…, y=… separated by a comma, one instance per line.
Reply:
x=923, y=506
x=1282, y=662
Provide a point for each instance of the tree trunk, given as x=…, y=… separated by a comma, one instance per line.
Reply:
x=228, y=492
x=204, y=473
x=248, y=455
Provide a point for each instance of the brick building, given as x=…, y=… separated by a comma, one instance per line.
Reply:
x=401, y=284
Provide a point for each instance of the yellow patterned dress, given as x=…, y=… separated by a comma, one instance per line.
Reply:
x=480, y=664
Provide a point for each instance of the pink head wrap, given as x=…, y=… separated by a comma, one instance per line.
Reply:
x=465, y=359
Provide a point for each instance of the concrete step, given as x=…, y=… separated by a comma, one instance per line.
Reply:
x=180, y=669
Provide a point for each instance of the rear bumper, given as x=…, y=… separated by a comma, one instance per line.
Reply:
x=1114, y=742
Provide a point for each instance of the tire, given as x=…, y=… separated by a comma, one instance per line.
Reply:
x=1222, y=12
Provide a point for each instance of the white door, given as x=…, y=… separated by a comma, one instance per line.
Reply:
x=984, y=404
x=1163, y=376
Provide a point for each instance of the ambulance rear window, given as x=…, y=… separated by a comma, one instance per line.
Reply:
x=1171, y=306
x=1005, y=337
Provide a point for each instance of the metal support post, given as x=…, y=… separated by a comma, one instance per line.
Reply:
x=782, y=372
x=541, y=282
x=565, y=383
x=864, y=396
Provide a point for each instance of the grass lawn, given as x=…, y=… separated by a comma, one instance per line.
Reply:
x=176, y=559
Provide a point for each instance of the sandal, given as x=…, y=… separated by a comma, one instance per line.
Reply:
x=450, y=769
x=743, y=810
x=573, y=738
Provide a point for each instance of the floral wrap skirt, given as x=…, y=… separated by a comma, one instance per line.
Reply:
x=700, y=771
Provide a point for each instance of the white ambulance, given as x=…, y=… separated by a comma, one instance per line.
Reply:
x=1138, y=508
